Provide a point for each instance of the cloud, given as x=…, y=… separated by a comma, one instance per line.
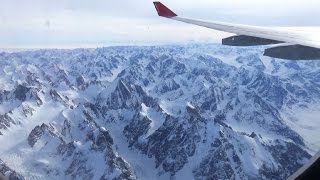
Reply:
x=79, y=22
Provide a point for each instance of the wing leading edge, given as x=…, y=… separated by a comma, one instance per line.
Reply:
x=254, y=35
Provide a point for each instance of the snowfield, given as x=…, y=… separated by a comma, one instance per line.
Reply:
x=200, y=111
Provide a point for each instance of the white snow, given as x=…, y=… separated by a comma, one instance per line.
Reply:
x=143, y=166
x=156, y=118
x=14, y=149
x=115, y=73
x=306, y=122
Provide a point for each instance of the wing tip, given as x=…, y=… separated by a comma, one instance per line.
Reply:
x=163, y=10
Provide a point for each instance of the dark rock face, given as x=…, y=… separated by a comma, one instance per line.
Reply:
x=5, y=171
x=5, y=121
x=104, y=139
x=21, y=92
x=168, y=86
x=80, y=82
x=35, y=135
x=288, y=154
x=222, y=159
x=126, y=96
x=55, y=95
x=162, y=144
x=123, y=93
x=1, y=96
x=217, y=161
x=138, y=127
x=38, y=131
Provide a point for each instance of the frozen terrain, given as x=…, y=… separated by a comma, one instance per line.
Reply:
x=200, y=111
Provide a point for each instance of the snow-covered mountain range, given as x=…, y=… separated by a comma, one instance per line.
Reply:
x=200, y=111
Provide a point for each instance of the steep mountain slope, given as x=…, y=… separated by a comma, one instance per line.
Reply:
x=183, y=112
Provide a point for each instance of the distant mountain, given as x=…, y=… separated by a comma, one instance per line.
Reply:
x=200, y=111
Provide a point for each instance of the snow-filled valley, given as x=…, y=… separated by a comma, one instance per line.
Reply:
x=200, y=111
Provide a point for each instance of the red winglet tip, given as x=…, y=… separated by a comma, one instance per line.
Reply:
x=163, y=10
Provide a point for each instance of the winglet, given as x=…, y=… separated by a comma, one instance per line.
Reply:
x=163, y=10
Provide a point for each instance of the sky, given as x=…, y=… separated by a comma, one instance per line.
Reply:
x=96, y=23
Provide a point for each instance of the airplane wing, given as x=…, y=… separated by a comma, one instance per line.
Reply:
x=293, y=45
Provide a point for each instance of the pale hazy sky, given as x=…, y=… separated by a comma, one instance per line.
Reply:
x=90, y=23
